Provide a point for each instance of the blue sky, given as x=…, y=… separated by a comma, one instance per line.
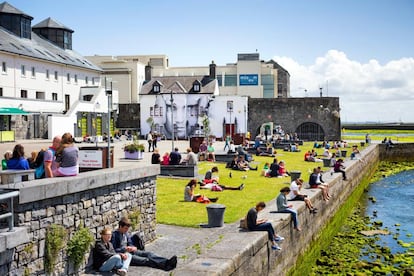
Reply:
x=361, y=51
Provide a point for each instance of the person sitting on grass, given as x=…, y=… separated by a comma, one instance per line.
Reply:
x=255, y=224
x=284, y=207
x=274, y=168
x=266, y=169
x=295, y=194
x=282, y=169
x=212, y=182
x=190, y=196
x=243, y=165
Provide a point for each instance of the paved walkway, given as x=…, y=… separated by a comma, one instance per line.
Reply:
x=187, y=243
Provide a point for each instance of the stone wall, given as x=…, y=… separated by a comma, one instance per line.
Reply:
x=290, y=113
x=96, y=199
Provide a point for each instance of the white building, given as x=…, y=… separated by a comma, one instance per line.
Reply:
x=41, y=75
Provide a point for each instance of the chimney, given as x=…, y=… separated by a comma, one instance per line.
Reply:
x=148, y=69
x=212, y=70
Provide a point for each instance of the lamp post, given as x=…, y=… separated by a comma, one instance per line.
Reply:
x=245, y=120
x=95, y=125
x=109, y=95
x=172, y=120
x=230, y=110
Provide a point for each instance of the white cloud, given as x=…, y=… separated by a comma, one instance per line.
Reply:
x=368, y=91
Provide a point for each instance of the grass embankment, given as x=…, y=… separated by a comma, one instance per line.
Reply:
x=378, y=134
x=171, y=209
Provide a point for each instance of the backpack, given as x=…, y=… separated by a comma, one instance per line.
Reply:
x=39, y=165
x=138, y=242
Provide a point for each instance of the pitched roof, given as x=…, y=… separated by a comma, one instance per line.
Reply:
x=180, y=85
x=7, y=8
x=51, y=23
x=40, y=48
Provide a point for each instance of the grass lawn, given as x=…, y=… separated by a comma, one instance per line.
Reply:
x=171, y=209
x=379, y=135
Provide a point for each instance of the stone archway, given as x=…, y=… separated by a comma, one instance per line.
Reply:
x=310, y=132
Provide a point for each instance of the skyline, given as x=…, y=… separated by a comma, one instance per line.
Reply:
x=360, y=51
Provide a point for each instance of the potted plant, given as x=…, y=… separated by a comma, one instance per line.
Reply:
x=134, y=151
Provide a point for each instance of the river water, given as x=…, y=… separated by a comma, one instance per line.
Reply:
x=394, y=207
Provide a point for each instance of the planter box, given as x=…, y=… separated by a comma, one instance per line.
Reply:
x=137, y=155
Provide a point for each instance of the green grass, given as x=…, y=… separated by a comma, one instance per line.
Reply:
x=379, y=134
x=171, y=209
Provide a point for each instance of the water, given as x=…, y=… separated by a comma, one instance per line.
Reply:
x=394, y=206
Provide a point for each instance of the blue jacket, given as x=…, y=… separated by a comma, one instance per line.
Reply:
x=18, y=164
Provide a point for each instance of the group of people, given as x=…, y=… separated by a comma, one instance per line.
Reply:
x=174, y=158
x=275, y=169
x=117, y=250
x=152, y=139
x=60, y=159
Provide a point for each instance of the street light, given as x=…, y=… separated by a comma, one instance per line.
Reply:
x=172, y=120
x=95, y=125
x=230, y=110
x=108, y=93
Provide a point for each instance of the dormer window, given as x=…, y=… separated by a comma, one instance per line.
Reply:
x=156, y=88
x=196, y=86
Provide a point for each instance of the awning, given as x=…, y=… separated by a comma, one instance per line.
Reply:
x=12, y=111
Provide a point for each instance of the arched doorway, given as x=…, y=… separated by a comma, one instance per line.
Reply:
x=310, y=132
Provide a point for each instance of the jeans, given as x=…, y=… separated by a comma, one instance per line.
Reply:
x=267, y=226
x=116, y=262
x=145, y=258
x=294, y=216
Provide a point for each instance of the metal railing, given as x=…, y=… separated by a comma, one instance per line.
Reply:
x=4, y=195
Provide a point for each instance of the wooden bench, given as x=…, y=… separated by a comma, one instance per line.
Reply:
x=15, y=176
x=179, y=170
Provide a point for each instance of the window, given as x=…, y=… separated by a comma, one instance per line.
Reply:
x=268, y=86
x=23, y=93
x=1, y=91
x=67, y=102
x=54, y=97
x=156, y=88
x=68, y=77
x=76, y=78
x=93, y=81
x=3, y=67
x=47, y=74
x=230, y=80
x=196, y=86
x=219, y=80
x=33, y=72
x=23, y=69
x=40, y=95
x=56, y=75
x=86, y=80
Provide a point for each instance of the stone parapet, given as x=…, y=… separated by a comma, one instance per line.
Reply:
x=96, y=199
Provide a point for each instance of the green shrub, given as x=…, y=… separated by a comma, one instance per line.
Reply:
x=79, y=244
x=55, y=241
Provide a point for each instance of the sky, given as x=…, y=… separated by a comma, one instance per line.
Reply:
x=359, y=50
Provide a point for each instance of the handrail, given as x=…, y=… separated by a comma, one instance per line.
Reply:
x=9, y=215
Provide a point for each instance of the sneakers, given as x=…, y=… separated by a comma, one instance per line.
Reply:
x=171, y=263
x=121, y=272
x=276, y=247
x=241, y=187
x=279, y=238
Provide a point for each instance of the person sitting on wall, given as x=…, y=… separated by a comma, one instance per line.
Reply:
x=232, y=148
x=175, y=157
x=255, y=224
x=202, y=151
x=7, y=156
x=211, y=153
x=315, y=181
x=354, y=152
x=17, y=161
x=155, y=157
x=339, y=167
x=123, y=244
x=284, y=207
x=295, y=187
x=165, y=158
x=191, y=158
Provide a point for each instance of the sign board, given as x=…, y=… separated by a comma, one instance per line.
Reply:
x=249, y=79
x=90, y=159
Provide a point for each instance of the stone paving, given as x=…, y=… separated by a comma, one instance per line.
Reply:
x=171, y=240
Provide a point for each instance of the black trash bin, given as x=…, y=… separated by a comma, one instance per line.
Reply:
x=326, y=162
x=215, y=213
x=294, y=175
x=343, y=153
